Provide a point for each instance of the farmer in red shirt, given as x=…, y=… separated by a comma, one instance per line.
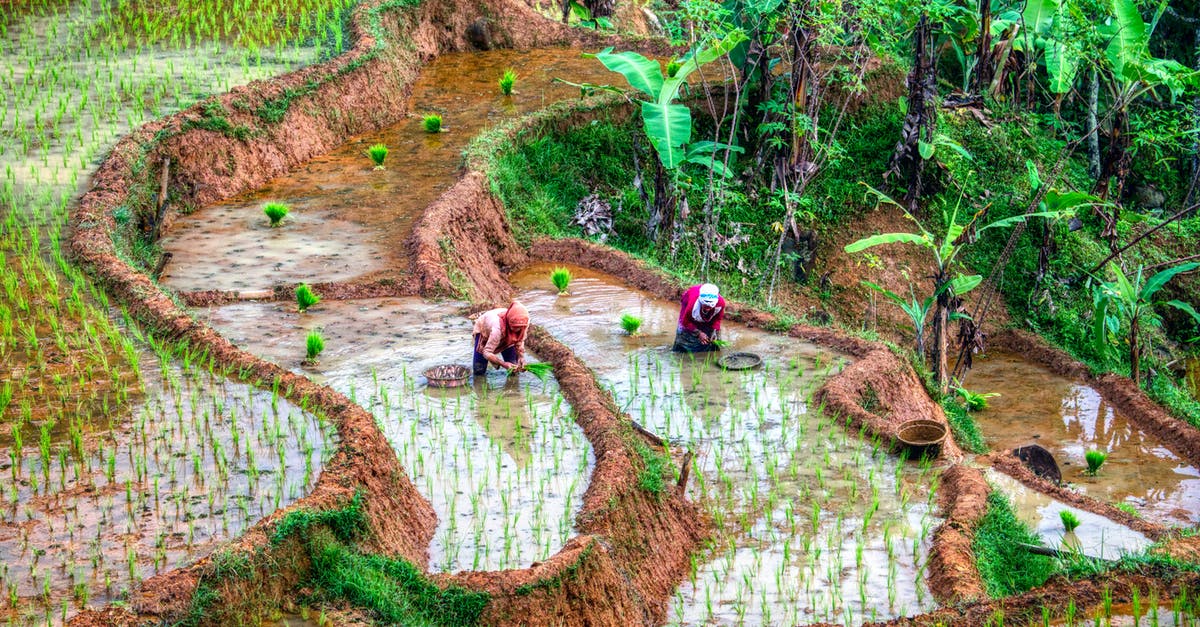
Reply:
x=500, y=338
x=700, y=314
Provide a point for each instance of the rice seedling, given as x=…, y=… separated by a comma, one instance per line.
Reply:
x=1095, y=459
x=1069, y=520
x=314, y=343
x=541, y=370
x=432, y=123
x=975, y=401
x=276, y=212
x=305, y=297
x=507, y=80
x=561, y=279
x=378, y=152
x=631, y=323
x=796, y=497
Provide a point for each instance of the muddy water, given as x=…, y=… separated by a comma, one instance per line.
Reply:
x=199, y=461
x=816, y=525
x=1096, y=536
x=1038, y=406
x=348, y=219
x=501, y=459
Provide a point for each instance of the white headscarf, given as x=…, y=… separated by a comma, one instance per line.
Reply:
x=709, y=295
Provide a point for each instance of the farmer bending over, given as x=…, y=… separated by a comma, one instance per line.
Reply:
x=500, y=338
x=699, y=319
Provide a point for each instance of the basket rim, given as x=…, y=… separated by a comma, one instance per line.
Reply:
x=909, y=425
x=756, y=360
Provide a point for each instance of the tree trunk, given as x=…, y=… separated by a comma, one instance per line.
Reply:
x=662, y=212
x=941, y=368
x=984, y=64
x=921, y=119
x=1194, y=161
x=1114, y=168
x=1135, y=368
x=600, y=8
x=1093, y=136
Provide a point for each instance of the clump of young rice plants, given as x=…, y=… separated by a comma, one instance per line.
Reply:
x=814, y=522
x=314, y=343
x=561, y=279
x=541, y=370
x=305, y=297
x=630, y=323
x=1069, y=520
x=1095, y=459
x=432, y=123
x=975, y=401
x=378, y=152
x=276, y=212
x=507, y=80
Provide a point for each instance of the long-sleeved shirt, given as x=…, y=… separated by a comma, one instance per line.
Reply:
x=690, y=318
x=492, y=329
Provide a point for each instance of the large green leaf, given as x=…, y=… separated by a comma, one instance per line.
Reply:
x=644, y=75
x=886, y=238
x=1186, y=308
x=1128, y=44
x=965, y=283
x=1122, y=286
x=1021, y=218
x=1038, y=15
x=1157, y=281
x=1061, y=64
x=669, y=127
x=670, y=88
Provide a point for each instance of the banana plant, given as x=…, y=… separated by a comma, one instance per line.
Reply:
x=1134, y=298
x=949, y=282
x=668, y=123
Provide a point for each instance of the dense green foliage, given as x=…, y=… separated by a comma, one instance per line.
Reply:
x=1007, y=568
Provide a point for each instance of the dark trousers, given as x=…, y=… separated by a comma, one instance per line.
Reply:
x=480, y=363
x=689, y=342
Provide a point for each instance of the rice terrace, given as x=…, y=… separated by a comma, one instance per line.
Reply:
x=600, y=312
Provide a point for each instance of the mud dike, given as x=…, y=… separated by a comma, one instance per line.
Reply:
x=440, y=479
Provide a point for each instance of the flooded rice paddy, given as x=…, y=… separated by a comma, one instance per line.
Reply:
x=1068, y=419
x=90, y=509
x=815, y=523
x=501, y=459
x=350, y=219
x=1096, y=536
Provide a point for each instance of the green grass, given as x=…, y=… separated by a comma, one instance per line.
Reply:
x=1006, y=568
x=657, y=469
x=394, y=589
x=963, y=427
x=276, y=212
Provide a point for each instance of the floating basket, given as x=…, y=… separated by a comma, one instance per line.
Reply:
x=448, y=376
x=922, y=438
x=739, y=361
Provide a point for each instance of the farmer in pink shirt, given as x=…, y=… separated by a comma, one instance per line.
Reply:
x=700, y=314
x=500, y=338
